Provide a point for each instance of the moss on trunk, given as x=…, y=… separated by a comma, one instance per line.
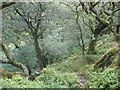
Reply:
x=92, y=45
x=5, y=73
x=12, y=61
x=107, y=59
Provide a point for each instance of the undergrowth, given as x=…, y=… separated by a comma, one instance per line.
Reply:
x=64, y=74
x=50, y=78
x=104, y=78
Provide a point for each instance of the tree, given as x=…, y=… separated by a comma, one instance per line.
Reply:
x=34, y=22
x=12, y=61
x=6, y=4
x=7, y=53
x=103, y=18
x=76, y=11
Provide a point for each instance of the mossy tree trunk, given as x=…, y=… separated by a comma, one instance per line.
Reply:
x=6, y=4
x=103, y=22
x=42, y=60
x=116, y=34
x=96, y=33
x=12, y=61
x=91, y=49
x=107, y=59
x=36, y=31
x=4, y=73
x=82, y=45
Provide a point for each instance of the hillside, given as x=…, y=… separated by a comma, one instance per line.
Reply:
x=75, y=69
x=59, y=44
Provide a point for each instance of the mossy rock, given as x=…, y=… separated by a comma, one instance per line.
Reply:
x=115, y=63
x=107, y=59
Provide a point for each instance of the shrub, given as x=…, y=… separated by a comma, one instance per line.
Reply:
x=49, y=79
x=19, y=82
x=107, y=78
x=90, y=58
x=56, y=79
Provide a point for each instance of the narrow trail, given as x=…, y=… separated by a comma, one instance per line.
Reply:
x=83, y=81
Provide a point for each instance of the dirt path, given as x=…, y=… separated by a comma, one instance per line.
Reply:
x=83, y=81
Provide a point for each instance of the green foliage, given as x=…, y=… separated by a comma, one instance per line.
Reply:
x=90, y=58
x=26, y=55
x=10, y=67
x=53, y=78
x=19, y=82
x=77, y=63
x=49, y=79
x=107, y=78
x=73, y=51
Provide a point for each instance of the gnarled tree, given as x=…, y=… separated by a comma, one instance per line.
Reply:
x=103, y=18
x=34, y=19
x=10, y=60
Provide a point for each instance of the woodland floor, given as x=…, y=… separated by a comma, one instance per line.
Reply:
x=81, y=64
x=83, y=81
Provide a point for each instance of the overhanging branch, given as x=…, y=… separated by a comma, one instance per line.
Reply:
x=6, y=4
x=12, y=61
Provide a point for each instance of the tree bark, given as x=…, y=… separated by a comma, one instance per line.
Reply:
x=39, y=54
x=116, y=34
x=36, y=32
x=96, y=33
x=6, y=4
x=12, y=61
x=81, y=33
x=107, y=59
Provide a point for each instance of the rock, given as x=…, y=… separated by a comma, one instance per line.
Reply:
x=34, y=75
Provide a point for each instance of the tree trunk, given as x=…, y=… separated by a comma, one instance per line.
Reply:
x=107, y=59
x=81, y=34
x=39, y=54
x=83, y=45
x=4, y=73
x=91, y=49
x=6, y=4
x=12, y=61
x=96, y=33
x=116, y=34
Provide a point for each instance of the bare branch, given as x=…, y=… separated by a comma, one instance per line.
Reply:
x=69, y=6
x=6, y=4
x=93, y=5
x=4, y=61
x=28, y=23
x=83, y=6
